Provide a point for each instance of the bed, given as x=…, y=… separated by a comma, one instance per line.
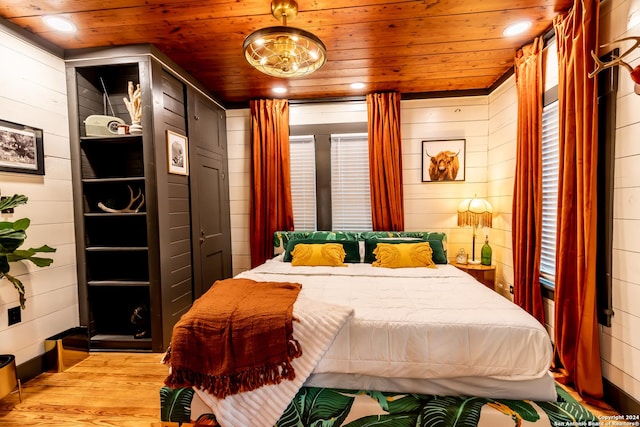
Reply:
x=373, y=335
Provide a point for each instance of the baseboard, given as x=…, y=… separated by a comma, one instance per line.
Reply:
x=62, y=351
x=619, y=399
x=31, y=368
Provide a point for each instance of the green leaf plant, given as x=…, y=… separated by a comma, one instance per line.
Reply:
x=12, y=236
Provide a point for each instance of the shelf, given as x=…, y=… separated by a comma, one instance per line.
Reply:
x=103, y=230
x=111, y=157
x=117, y=248
x=113, y=180
x=119, y=342
x=118, y=283
x=112, y=214
x=112, y=139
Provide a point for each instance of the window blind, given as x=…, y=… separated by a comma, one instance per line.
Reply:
x=350, y=191
x=303, y=181
x=550, y=162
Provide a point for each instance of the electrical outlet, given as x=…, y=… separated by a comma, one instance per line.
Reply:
x=511, y=289
x=15, y=316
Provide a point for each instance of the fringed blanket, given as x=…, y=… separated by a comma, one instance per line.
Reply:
x=316, y=327
x=236, y=337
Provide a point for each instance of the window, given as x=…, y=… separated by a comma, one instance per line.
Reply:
x=330, y=177
x=350, y=191
x=303, y=181
x=607, y=94
x=550, y=167
x=550, y=162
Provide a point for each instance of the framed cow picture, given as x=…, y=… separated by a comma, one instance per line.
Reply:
x=443, y=160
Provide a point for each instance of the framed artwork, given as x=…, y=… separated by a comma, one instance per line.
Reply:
x=21, y=148
x=443, y=160
x=177, y=153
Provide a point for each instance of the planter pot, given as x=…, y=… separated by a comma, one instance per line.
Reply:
x=9, y=376
x=64, y=350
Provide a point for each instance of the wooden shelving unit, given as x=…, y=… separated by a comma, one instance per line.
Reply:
x=153, y=257
x=116, y=247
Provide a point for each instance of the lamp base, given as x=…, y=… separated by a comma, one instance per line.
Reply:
x=473, y=261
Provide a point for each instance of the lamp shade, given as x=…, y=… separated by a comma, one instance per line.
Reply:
x=475, y=212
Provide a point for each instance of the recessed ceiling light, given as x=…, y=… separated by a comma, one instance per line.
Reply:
x=517, y=28
x=59, y=23
x=279, y=89
x=357, y=85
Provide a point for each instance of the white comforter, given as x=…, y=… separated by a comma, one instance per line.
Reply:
x=420, y=323
x=397, y=323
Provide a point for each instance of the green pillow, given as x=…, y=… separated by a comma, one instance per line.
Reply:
x=439, y=256
x=351, y=248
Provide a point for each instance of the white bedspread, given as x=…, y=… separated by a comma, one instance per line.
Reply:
x=411, y=325
x=420, y=323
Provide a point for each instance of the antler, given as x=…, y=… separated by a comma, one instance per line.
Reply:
x=134, y=103
x=617, y=60
x=128, y=208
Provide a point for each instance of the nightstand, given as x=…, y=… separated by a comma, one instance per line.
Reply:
x=486, y=274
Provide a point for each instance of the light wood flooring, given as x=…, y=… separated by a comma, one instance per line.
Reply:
x=105, y=389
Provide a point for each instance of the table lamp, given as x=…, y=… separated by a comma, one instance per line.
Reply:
x=476, y=213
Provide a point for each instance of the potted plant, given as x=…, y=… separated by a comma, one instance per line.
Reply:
x=12, y=236
x=8, y=376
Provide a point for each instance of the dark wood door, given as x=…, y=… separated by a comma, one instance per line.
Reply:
x=211, y=228
x=208, y=121
x=213, y=221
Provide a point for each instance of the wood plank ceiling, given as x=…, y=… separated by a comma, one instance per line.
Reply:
x=414, y=47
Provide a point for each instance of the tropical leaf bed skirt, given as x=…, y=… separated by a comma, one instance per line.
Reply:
x=352, y=408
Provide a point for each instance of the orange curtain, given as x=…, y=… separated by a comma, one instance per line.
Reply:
x=577, y=348
x=527, y=191
x=385, y=161
x=271, y=208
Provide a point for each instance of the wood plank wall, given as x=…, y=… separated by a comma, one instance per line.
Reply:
x=620, y=344
x=428, y=206
x=33, y=92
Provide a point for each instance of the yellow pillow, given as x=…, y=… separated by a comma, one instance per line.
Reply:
x=403, y=255
x=331, y=254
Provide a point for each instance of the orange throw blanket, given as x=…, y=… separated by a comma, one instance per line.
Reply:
x=236, y=337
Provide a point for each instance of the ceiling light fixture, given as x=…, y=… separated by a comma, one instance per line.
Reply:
x=517, y=28
x=284, y=51
x=59, y=23
x=357, y=85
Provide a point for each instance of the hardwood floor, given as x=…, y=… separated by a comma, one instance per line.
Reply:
x=105, y=389
x=602, y=410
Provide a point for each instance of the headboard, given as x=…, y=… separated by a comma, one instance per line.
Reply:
x=281, y=238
